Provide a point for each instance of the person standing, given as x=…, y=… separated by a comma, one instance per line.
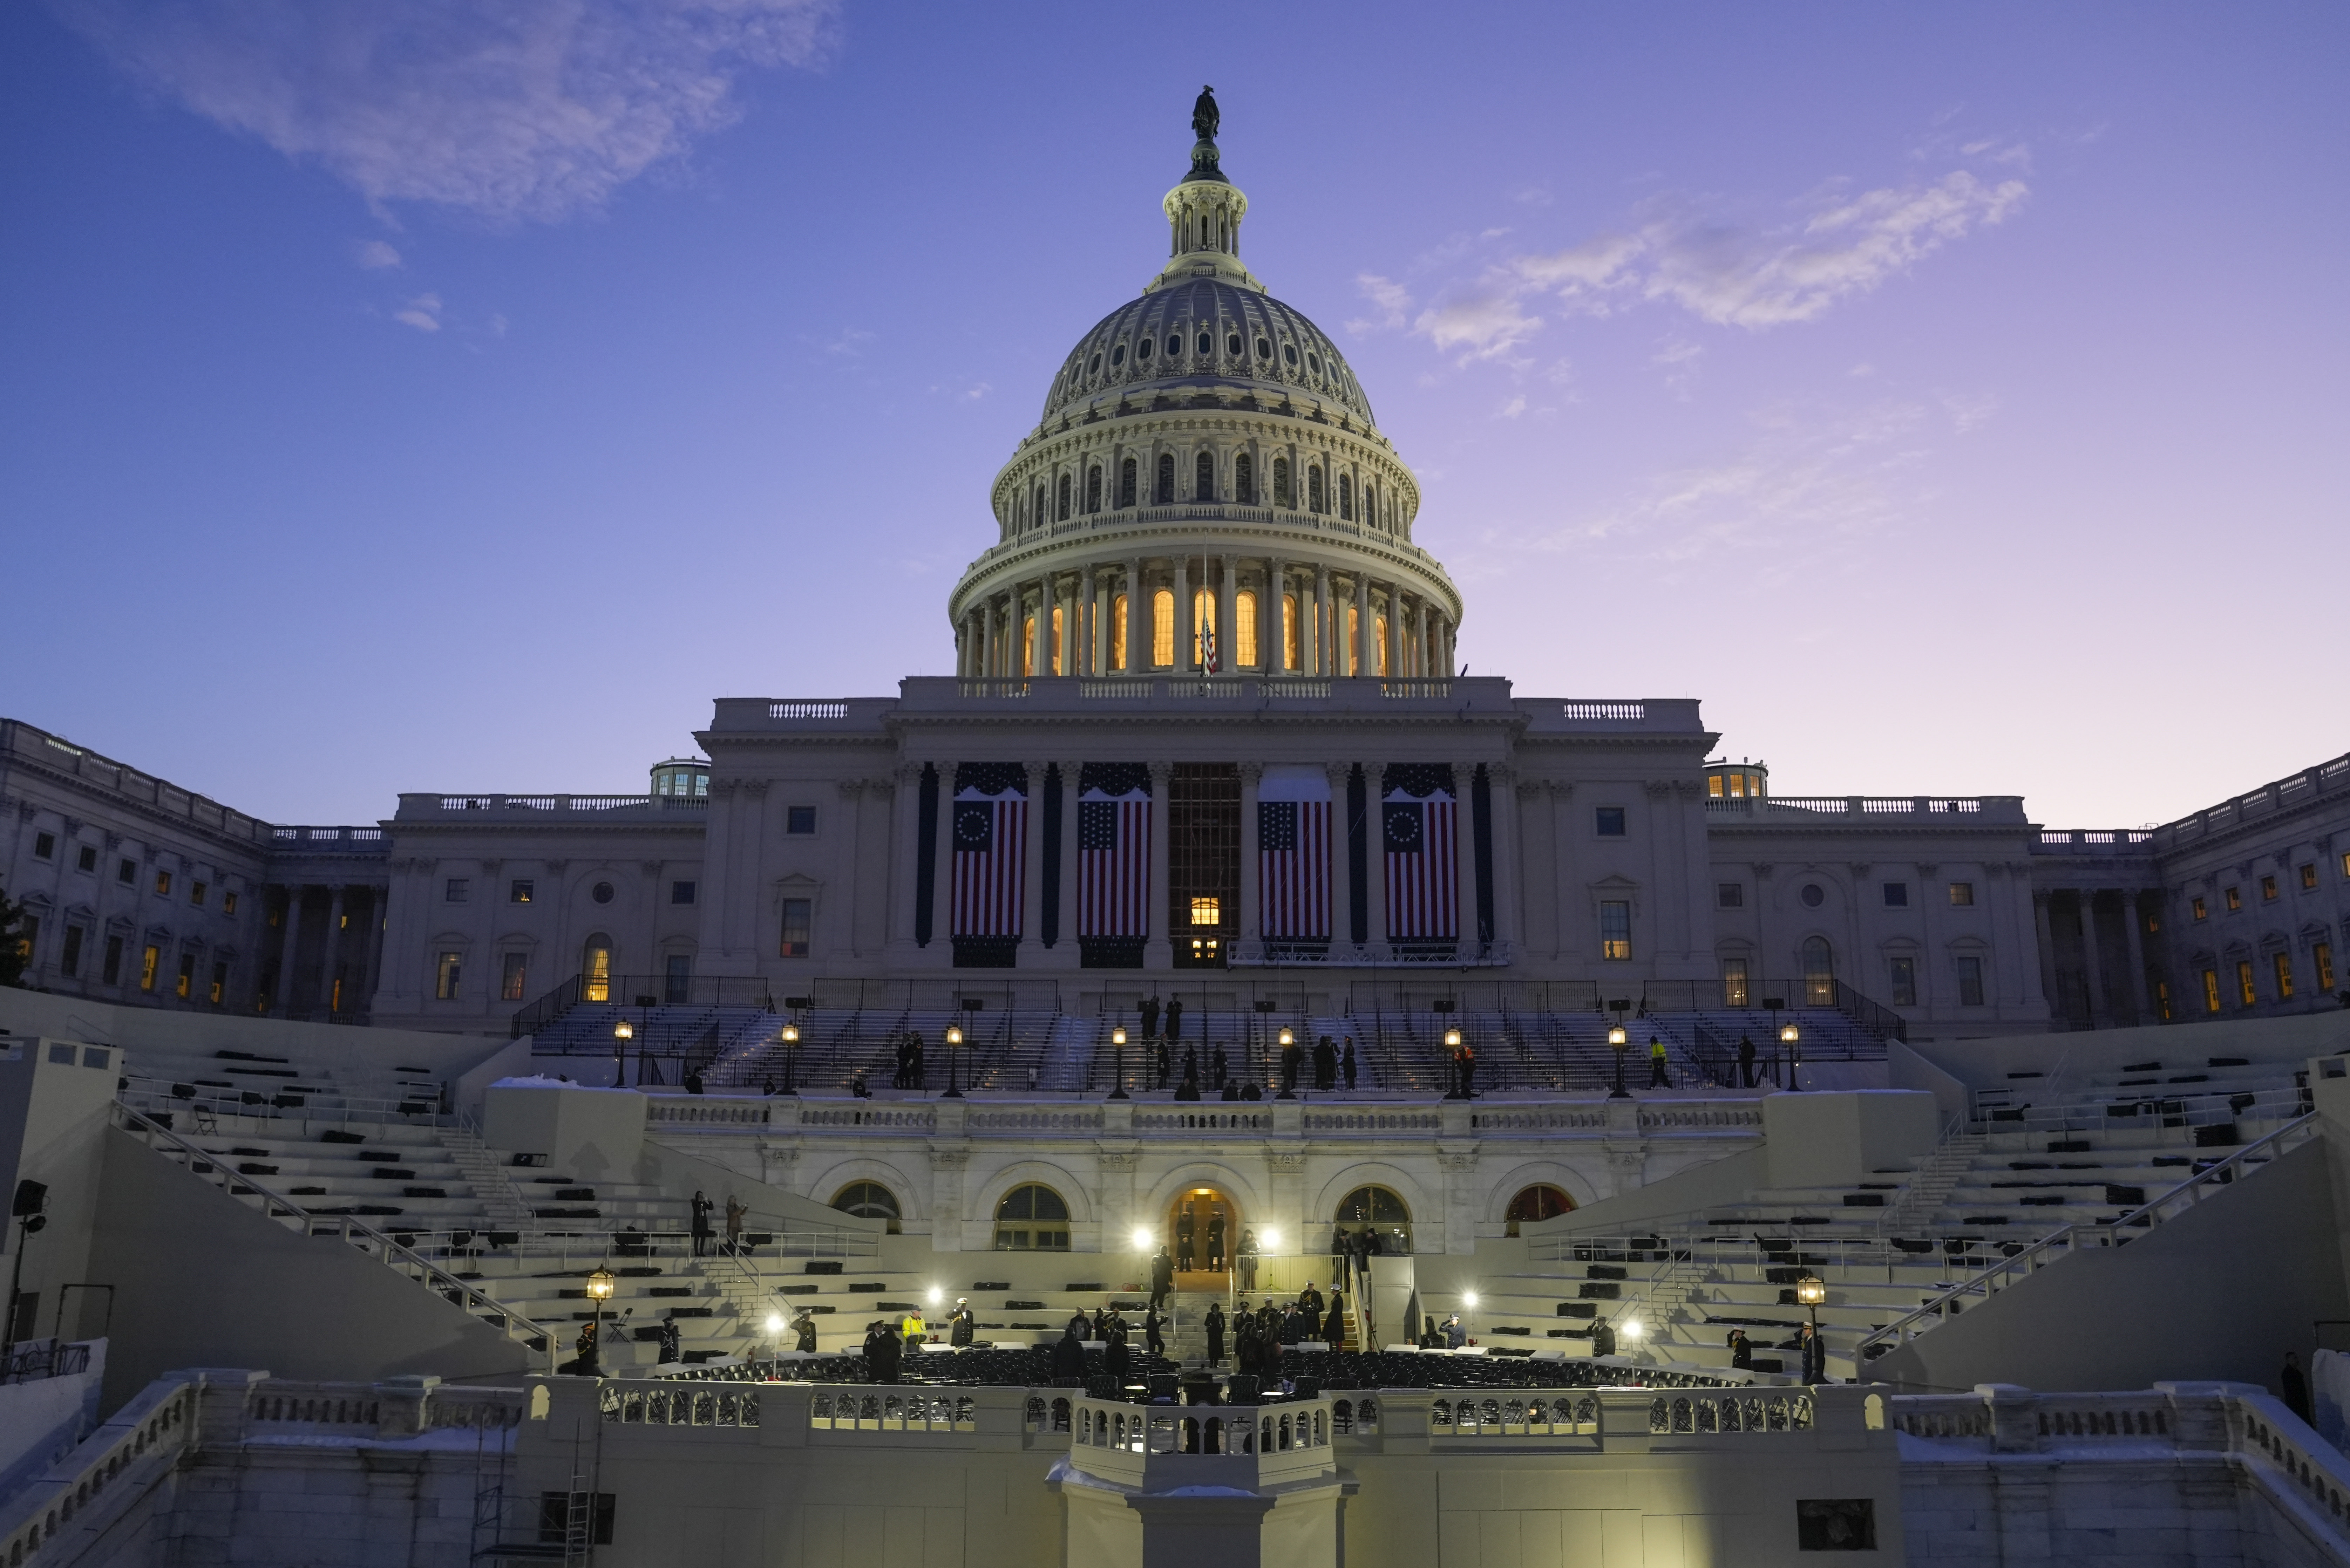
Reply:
x=1162, y=1065
x=1326, y=1065
x=1245, y=1339
x=1215, y=1326
x=915, y=1075
x=1162, y=1278
x=804, y=1331
x=1079, y=1326
x=1174, y=1018
x=1346, y=1062
x=1185, y=1251
x=670, y=1336
x=1114, y=1360
x=1154, y=1339
x=1812, y=1355
x=1657, y=1079
x=700, y=1223
x=1216, y=1240
x=1456, y=1332
x=959, y=1333
x=1292, y=1059
x=735, y=1213
x=1219, y=1067
x=1069, y=1357
x=1245, y=1259
x=1149, y=1009
x=1746, y=1060
x=1334, y=1325
x=1741, y=1350
x=914, y=1331
x=1309, y=1301
x=587, y=1351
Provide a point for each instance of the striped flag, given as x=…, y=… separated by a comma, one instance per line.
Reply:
x=991, y=840
x=1114, y=850
x=1417, y=813
x=1293, y=852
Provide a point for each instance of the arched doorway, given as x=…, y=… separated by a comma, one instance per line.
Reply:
x=1379, y=1210
x=1541, y=1201
x=1203, y=1227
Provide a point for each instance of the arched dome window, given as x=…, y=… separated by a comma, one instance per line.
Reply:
x=1378, y=1209
x=1280, y=496
x=1028, y=644
x=1541, y=1201
x=1203, y=477
x=1162, y=628
x=1037, y=507
x=1142, y=349
x=1117, y=632
x=1164, y=493
x=1094, y=367
x=1350, y=659
x=1032, y=1218
x=1206, y=344
x=1244, y=480
x=1244, y=629
x=1346, y=497
x=1289, y=355
x=1117, y=356
x=1175, y=344
x=869, y=1201
x=1126, y=472
x=1264, y=348
x=1370, y=504
x=1093, y=488
x=1232, y=343
x=1379, y=635
x=1314, y=361
x=1061, y=507
x=1314, y=489
x=596, y=968
x=1819, y=973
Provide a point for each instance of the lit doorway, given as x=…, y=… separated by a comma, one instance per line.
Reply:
x=1203, y=1226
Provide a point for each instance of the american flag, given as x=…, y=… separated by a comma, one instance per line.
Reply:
x=1293, y=852
x=990, y=837
x=1114, y=851
x=1417, y=813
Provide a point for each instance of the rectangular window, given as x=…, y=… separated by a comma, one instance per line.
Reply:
x=228, y=902
x=149, y=960
x=186, y=981
x=110, y=973
x=676, y=984
x=1962, y=894
x=457, y=890
x=127, y=872
x=28, y=934
x=2235, y=899
x=2162, y=999
x=2320, y=957
x=2245, y=994
x=1733, y=983
x=44, y=846
x=1615, y=929
x=796, y=913
x=1905, y=983
x=446, y=971
x=88, y=859
x=220, y=982
x=1971, y=982
x=681, y=892
x=2268, y=889
x=1897, y=895
x=2345, y=866
x=1609, y=822
x=1729, y=895
x=800, y=819
x=2285, y=977
x=69, y=963
x=511, y=978
x=2199, y=910
x=163, y=884
x=2309, y=876
x=2210, y=991
x=196, y=892
x=519, y=890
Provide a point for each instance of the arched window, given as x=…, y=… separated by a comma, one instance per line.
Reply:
x=1060, y=661
x=1281, y=482
x=1142, y=350
x=1126, y=476
x=1819, y=973
x=1061, y=510
x=1207, y=343
x=1032, y=1218
x=1244, y=629
x=1028, y=644
x=869, y=1201
x=1379, y=1210
x=1203, y=477
x=1035, y=505
x=1291, y=634
x=1162, y=628
x=1093, y=488
x=1346, y=497
x=1379, y=635
x=1314, y=489
x=1351, y=656
x=1542, y=1201
x=1117, y=356
x=1118, y=632
x=596, y=968
x=1370, y=504
x=1165, y=495
x=1233, y=344
x=1244, y=480
x=1203, y=624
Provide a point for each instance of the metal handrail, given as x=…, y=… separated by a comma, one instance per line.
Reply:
x=2070, y=1238
x=277, y=1207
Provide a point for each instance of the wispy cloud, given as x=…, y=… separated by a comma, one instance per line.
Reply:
x=423, y=313
x=503, y=108
x=1681, y=253
x=1389, y=299
x=375, y=256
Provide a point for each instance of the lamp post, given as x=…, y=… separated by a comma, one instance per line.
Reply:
x=1619, y=1039
x=790, y=1038
x=1118, y=1044
x=954, y=1050
x=599, y=1291
x=31, y=1198
x=1810, y=1291
x=1286, y=1040
x=1791, y=1038
x=1453, y=1051
x=622, y=1032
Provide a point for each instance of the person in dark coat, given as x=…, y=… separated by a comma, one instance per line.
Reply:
x=1079, y=1325
x=1325, y=1063
x=1186, y=1247
x=1244, y=1346
x=2293, y=1388
x=1215, y=1325
x=1293, y=1324
x=1813, y=1353
x=915, y=1072
x=1602, y=1338
x=1244, y=1260
x=1160, y=1060
x=1346, y=1062
x=669, y=1335
x=701, y=1207
x=1216, y=1240
x=1101, y=1324
x=804, y=1329
x=1309, y=1301
x=1149, y=1011
x=1741, y=1350
x=1114, y=1362
x=1746, y=1060
x=1175, y=1018
x=1191, y=1070
x=1334, y=1325
x=1154, y=1340
x=960, y=1328
x=1292, y=1061
x=1162, y=1279
x=882, y=1352
x=1069, y=1359
x=586, y=1348
x=1219, y=1067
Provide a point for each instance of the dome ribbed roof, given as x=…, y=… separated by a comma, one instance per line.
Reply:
x=1255, y=343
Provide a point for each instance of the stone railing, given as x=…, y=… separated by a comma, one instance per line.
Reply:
x=1160, y=1448
x=656, y=1405
x=1855, y=810
x=141, y=1444
x=701, y=1110
x=1036, y=1120
x=1373, y=1119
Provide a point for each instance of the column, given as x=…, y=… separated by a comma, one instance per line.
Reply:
x=334, y=941
x=1031, y=874
x=1138, y=652
x=1228, y=626
x=1452, y=658
x=1066, y=953
x=1158, y=952
x=2093, y=970
x=1367, y=628
x=379, y=917
x=1320, y=656
x=1276, y=593
x=2135, y=991
x=1374, y=855
x=2045, y=929
x=1252, y=774
x=1398, y=638
x=1185, y=648
x=1089, y=633
x=290, y=937
x=986, y=637
x=1342, y=863
x=1423, y=664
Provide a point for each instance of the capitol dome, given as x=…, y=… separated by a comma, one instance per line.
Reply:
x=1206, y=446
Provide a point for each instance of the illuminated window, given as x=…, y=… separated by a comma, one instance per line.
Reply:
x=1244, y=629
x=2198, y=908
x=1117, y=632
x=519, y=890
x=869, y=1201
x=1207, y=912
x=2235, y=898
x=1028, y=644
x=2268, y=889
x=514, y=976
x=1615, y=929
x=2345, y=866
x=2322, y=956
x=1963, y=894
x=220, y=984
x=1905, y=982
x=2245, y=994
x=1291, y=634
x=1380, y=637
x=595, y=968
x=148, y=961
x=1203, y=477
x=1162, y=628
x=1126, y=482
x=2309, y=876
x=1971, y=986
x=1203, y=625
x=1379, y=1208
x=1244, y=480
x=196, y=891
x=1534, y=1203
x=1281, y=497
x=449, y=969
x=1733, y=983
x=163, y=884
x=1350, y=660
x=2283, y=963
x=1060, y=656
x=186, y=980
x=798, y=914
x=2162, y=999
x=2210, y=991
x=1032, y=1218
x=1164, y=494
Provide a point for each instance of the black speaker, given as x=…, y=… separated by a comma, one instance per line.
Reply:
x=32, y=1197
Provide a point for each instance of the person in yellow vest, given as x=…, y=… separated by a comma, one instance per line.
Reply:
x=1657, y=1079
x=913, y=1331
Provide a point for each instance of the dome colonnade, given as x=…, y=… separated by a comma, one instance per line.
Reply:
x=1205, y=446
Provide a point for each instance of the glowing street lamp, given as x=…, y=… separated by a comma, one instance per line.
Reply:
x=1118, y=1044
x=1288, y=1040
x=599, y=1291
x=954, y=1050
x=1791, y=1038
x=1620, y=1041
x=622, y=1032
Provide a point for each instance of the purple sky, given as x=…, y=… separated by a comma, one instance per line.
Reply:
x=393, y=397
